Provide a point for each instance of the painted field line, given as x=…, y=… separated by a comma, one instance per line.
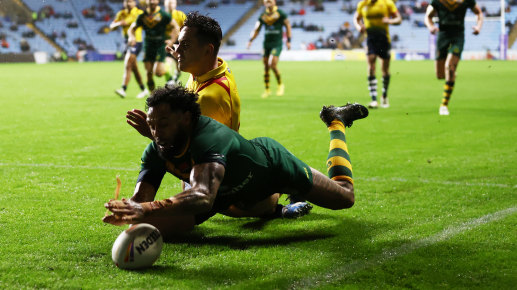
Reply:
x=68, y=166
x=371, y=179
x=339, y=272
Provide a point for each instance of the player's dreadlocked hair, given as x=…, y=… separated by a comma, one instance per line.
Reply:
x=178, y=98
x=208, y=30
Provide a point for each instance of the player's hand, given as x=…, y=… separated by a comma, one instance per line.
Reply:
x=124, y=211
x=171, y=49
x=362, y=29
x=288, y=44
x=138, y=120
x=475, y=30
x=434, y=30
x=248, y=45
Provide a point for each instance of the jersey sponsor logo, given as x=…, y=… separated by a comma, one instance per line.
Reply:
x=451, y=4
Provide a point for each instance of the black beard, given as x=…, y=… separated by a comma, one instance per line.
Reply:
x=174, y=150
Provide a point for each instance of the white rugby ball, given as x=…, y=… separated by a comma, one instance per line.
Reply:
x=137, y=247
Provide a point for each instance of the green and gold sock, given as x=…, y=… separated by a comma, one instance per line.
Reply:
x=447, y=91
x=266, y=80
x=338, y=160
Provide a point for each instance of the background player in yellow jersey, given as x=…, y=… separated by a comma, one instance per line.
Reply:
x=211, y=77
x=179, y=17
x=374, y=18
x=274, y=20
x=124, y=19
x=451, y=37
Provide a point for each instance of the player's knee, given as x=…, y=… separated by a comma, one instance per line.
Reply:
x=346, y=197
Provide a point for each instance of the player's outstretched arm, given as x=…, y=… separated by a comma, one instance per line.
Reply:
x=138, y=120
x=205, y=179
x=479, y=20
x=429, y=14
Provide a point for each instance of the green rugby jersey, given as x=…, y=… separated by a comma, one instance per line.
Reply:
x=273, y=26
x=247, y=177
x=154, y=24
x=451, y=14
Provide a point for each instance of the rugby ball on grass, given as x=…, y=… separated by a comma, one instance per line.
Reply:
x=137, y=247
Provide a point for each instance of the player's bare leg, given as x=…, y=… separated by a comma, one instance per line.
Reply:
x=451, y=64
x=149, y=73
x=134, y=68
x=126, y=77
x=372, y=80
x=274, y=67
x=267, y=91
x=385, y=67
x=440, y=68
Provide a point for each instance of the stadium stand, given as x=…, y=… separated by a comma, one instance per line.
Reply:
x=75, y=25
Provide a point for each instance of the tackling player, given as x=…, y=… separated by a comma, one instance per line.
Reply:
x=274, y=20
x=228, y=173
x=154, y=22
x=451, y=38
x=124, y=19
x=179, y=17
x=374, y=18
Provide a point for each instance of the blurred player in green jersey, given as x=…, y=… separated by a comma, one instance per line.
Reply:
x=274, y=20
x=451, y=38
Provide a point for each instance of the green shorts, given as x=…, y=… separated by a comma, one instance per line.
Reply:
x=285, y=173
x=288, y=173
x=449, y=43
x=154, y=51
x=274, y=50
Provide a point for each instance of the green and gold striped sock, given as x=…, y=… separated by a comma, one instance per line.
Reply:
x=338, y=160
x=447, y=91
x=266, y=80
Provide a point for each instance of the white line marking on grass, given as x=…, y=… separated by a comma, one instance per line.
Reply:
x=358, y=265
x=441, y=182
x=371, y=179
x=68, y=166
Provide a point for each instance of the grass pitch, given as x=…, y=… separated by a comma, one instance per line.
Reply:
x=436, y=196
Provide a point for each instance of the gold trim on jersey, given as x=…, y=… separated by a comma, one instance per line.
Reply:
x=271, y=17
x=452, y=4
x=152, y=19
